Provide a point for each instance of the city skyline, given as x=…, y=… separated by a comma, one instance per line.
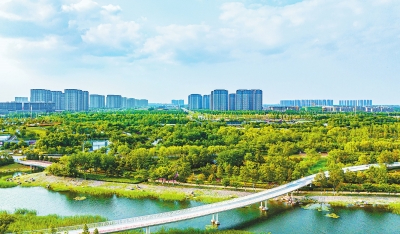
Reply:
x=291, y=49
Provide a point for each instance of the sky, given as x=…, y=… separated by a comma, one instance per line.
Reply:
x=163, y=50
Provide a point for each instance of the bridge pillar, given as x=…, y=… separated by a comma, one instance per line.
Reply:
x=264, y=207
x=216, y=220
x=148, y=230
x=213, y=219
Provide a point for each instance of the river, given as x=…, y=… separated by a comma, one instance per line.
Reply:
x=279, y=219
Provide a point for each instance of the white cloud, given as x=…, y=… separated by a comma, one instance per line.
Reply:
x=25, y=10
x=173, y=37
x=80, y=6
x=112, y=8
x=114, y=35
x=330, y=24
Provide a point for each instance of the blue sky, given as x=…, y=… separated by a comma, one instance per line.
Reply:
x=163, y=50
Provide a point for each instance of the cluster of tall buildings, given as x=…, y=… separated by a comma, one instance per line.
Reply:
x=325, y=102
x=113, y=101
x=70, y=100
x=360, y=103
x=222, y=100
x=306, y=103
x=179, y=102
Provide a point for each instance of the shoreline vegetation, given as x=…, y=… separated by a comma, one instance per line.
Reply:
x=133, y=191
x=169, y=192
x=28, y=220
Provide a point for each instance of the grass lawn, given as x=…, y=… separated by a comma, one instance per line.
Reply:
x=14, y=167
x=38, y=130
x=112, y=179
x=320, y=165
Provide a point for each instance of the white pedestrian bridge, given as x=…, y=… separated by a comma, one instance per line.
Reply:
x=34, y=163
x=148, y=221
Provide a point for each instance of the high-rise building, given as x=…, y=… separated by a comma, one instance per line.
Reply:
x=85, y=104
x=249, y=99
x=131, y=103
x=360, y=103
x=21, y=99
x=179, y=102
x=114, y=101
x=307, y=103
x=97, y=101
x=206, y=102
x=58, y=98
x=40, y=95
x=257, y=99
x=232, y=101
x=76, y=100
x=219, y=100
x=195, y=102
x=124, y=102
x=142, y=102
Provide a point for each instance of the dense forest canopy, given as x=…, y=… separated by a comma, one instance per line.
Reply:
x=231, y=147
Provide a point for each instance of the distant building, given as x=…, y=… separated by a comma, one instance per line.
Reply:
x=59, y=100
x=179, y=102
x=114, y=101
x=76, y=100
x=97, y=101
x=307, y=102
x=27, y=106
x=249, y=99
x=258, y=99
x=142, y=103
x=96, y=145
x=206, y=102
x=40, y=95
x=131, y=103
x=232, y=101
x=85, y=104
x=195, y=102
x=21, y=99
x=355, y=103
x=124, y=102
x=219, y=100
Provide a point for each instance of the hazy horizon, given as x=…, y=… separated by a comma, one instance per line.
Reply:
x=156, y=50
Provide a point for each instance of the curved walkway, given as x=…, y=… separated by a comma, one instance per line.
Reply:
x=34, y=163
x=190, y=213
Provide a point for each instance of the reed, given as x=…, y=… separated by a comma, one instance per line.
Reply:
x=339, y=203
x=395, y=208
x=27, y=220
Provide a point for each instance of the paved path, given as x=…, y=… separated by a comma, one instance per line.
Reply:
x=190, y=213
x=34, y=163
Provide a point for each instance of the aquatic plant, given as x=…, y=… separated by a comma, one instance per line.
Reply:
x=395, y=208
x=332, y=215
x=27, y=220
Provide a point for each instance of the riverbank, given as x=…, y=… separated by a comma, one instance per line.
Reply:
x=362, y=200
x=92, y=187
x=170, y=192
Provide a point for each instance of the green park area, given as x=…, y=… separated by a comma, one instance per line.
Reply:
x=234, y=150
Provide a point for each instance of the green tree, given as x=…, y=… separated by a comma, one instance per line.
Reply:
x=85, y=229
x=336, y=176
x=5, y=221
